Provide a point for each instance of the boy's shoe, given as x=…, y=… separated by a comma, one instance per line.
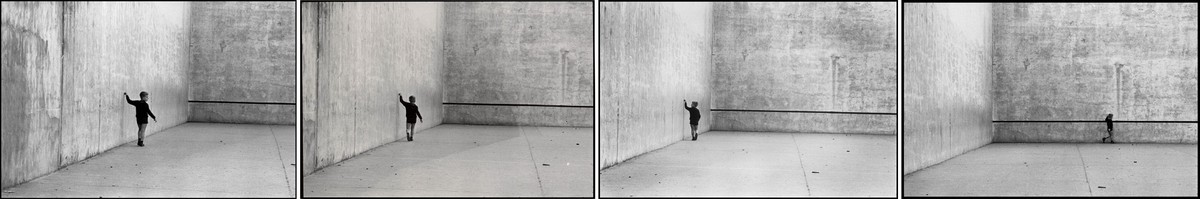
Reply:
x=693, y=137
x=410, y=137
x=140, y=143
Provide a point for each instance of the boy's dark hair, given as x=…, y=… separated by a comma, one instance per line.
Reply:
x=143, y=94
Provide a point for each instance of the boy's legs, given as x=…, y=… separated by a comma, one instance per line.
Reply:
x=408, y=129
x=693, y=132
x=1110, y=136
x=141, y=133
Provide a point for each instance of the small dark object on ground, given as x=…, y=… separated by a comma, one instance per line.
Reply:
x=545, y=164
x=816, y=172
x=1102, y=187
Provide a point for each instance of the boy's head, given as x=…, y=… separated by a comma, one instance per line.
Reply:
x=1109, y=116
x=145, y=96
x=695, y=103
x=412, y=99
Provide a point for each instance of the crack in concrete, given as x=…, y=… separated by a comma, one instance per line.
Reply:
x=1085, y=175
x=803, y=172
x=278, y=153
x=534, y=160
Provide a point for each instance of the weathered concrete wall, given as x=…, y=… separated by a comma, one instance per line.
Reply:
x=30, y=105
x=947, y=81
x=519, y=115
x=1093, y=132
x=65, y=67
x=308, y=101
x=365, y=54
x=653, y=56
x=1083, y=61
x=519, y=53
x=113, y=48
x=815, y=56
x=243, y=52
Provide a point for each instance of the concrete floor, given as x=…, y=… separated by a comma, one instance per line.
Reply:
x=760, y=164
x=467, y=160
x=189, y=160
x=1037, y=169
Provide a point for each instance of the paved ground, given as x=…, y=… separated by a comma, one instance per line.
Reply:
x=189, y=160
x=1036, y=169
x=760, y=164
x=467, y=160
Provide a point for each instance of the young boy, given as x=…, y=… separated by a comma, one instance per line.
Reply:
x=143, y=109
x=1109, y=139
x=694, y=116
x=410, y=113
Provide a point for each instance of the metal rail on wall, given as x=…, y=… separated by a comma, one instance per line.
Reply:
x=798, y=111
x=1091, y=121
x=237, y=102
x=500, y=104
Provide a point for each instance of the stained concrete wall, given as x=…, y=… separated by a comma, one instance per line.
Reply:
x=243, y=52
x=519, y=53
x=66, y=66
x=813, y=56
x=652, y=57
x=112, y=48
x=1083, y=61
x=308, y=66
x=947, y=81
x=366, y=53
x=30, y=106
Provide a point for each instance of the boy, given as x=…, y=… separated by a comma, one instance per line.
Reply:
x=410, y=113
x=1109, y=139
x=143, y=109
x=694, y=116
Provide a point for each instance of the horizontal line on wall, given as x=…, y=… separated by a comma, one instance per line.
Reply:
x=494, y=104
x=1091, y=121
x=795, y=111
x=237, y=102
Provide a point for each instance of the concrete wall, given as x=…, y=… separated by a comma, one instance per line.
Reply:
x=519, y=53
x=947, y=81
x=66, y=66
x=112, y=48
x=1081, y=62
x=243, y=52
x=816, y=56
x=653, y=56
x=30, y=106
x=366, y=53
x=308, y=66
